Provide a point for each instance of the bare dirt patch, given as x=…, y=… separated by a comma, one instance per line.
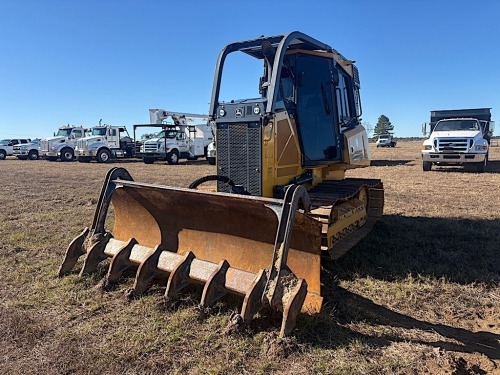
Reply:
x=420, y=294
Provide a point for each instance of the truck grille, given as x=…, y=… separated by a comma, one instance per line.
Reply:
x=44, y=145
x=453, y=144
x=81, y=144
x=239, y=156
x=150, y=147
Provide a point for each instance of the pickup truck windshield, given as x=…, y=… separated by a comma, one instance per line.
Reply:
x=456, y=125
x=4, y=142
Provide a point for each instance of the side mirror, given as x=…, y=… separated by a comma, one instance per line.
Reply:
x=424, y=128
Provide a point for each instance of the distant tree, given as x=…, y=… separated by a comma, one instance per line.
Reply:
x=368, y=127
x=383, y=126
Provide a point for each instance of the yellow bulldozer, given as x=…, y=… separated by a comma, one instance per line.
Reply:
x=282, y=200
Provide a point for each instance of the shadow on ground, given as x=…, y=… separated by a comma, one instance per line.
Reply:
x=391, y=163
x=462, y=251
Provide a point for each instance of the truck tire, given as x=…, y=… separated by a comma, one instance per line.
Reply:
x=67, y=154
x=103, y=156
x=33, y=155
x=3, y=154
x=211, y=160
x=173, y=157
x=481, y=167
x=426, y=166
x=147, y=160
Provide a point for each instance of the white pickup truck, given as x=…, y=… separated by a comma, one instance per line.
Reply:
x=385, y=140
x=7, y=146
x=27, y=151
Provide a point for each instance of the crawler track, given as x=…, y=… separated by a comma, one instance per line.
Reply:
x=347, y=209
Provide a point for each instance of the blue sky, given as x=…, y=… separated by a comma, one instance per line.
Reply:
x=77, y=62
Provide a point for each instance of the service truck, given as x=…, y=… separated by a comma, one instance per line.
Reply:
x=177, y=139
x=458, y=137
x=62, y=144
x=105, y=142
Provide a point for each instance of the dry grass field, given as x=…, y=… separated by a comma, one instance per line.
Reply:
x=420, y=294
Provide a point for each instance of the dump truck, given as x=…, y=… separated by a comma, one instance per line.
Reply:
x=62, y=144
x=105, y=143
x=282, y=203
x=458, y=137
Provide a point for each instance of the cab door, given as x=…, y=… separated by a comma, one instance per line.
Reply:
x=316, y=109
x=112, y=138
x=182, y=142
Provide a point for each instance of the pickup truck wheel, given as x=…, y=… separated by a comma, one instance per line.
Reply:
x=33, y=155
x=3, y=154
x=103, y=156
x=173, y=157
x=481, y=167
x=148, y=160
x=426, y=166
x=67, y=154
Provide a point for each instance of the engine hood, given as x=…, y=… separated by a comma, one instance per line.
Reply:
x=457, y=134
x=159, y=140
x=55, y=139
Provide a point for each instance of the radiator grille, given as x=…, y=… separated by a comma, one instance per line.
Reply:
x=81, y=144
x=239, y=156
x=453, y=144
x=44, y=145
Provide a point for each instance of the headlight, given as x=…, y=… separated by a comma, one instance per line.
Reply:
x=222, y=112
x=481, y=147
x=426, y=147
x=256, y=110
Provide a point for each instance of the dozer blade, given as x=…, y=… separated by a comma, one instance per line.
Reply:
x=265, y=250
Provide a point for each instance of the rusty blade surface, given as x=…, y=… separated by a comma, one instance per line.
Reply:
x=215, y=227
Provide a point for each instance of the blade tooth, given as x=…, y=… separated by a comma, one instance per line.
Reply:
x=147, y=271
x=95, y=254
x=253, y=301
x=292, y=305
x=215, y=286
x=120, y=261
x=179, y=277
x=73, y=253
